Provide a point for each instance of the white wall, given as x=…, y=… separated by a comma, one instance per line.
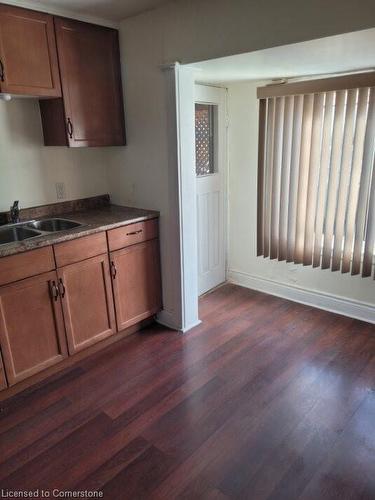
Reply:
x=243, y=264
x=139, y=175
x=29, y=171
x=195, y=30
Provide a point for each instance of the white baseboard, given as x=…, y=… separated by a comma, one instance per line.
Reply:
x=328, y=302
x=165, y=318
x=190, y=327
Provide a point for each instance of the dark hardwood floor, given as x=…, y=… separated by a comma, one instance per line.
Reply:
x=266, y=399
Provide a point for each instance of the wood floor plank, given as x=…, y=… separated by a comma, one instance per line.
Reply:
x=35, y=399
x=30, y=430
x=47, y=441
x=114, y=466
x=223, y=450
x=50, y=469
x=266, y=399
x=215, y=343
x=306, y=395
x=130, y=482
x=312, y=439
x=348, y=471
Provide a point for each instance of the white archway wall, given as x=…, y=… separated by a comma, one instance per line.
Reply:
x=141, y=174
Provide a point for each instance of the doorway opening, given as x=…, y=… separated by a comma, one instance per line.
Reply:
x=241, y=75
x=211, y=184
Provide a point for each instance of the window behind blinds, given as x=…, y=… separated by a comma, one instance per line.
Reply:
x=316, y=181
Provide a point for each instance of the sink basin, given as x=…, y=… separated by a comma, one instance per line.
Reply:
x=12, y=234
x=24, y=231
x=53, y=225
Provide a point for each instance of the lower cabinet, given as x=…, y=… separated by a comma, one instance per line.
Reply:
x=31, y=326
x=136, y=282
x=86, y=295
x=90, y=296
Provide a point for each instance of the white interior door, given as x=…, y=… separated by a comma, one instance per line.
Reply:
x=210, y=163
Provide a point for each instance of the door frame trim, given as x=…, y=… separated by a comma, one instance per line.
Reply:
x=182, y=314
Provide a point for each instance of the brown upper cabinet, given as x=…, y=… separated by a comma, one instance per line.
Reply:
x=91, y=112
x=28, y=55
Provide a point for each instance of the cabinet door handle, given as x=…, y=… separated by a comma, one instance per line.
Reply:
x=2, y=72
x=134, y=232
x=61, y=288
x=54, y=290
x=70, y=128
x=113, y=270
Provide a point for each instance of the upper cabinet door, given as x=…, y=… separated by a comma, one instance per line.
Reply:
x=91, y=83
x=28, y=53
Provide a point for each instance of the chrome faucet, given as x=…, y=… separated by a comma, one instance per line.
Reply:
x=15, y=212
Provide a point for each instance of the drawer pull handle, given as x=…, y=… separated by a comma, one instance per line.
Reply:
x=61, y=288
x=113, y=270
x=134, y=232
x=54, y=291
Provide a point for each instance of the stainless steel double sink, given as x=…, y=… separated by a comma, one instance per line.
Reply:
x=31, y=229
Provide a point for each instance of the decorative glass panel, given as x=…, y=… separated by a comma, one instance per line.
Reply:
x=204, y=139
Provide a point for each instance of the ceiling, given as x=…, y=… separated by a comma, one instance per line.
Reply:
x=110, y=10
x=335, y=54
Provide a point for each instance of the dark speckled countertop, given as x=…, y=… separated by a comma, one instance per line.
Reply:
x=94, y=220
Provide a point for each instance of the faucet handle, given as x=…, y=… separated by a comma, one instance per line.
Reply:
x=15, y=212
x=14, y=207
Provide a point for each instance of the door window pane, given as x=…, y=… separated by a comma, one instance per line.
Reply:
x=205, y=139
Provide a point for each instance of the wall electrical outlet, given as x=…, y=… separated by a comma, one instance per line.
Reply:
x=60, y=190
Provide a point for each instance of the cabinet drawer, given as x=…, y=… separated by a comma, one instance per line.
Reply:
x=83, y=248
x=25, y=265
x=133, y=233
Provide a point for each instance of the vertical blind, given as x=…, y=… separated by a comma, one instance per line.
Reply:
x=316, y=176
